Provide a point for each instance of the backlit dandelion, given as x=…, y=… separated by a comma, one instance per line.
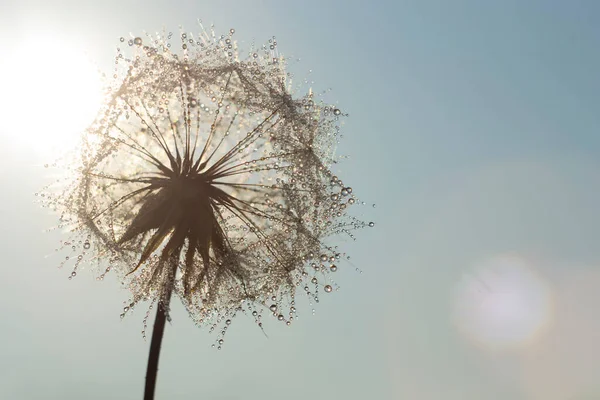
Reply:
x=205, y=177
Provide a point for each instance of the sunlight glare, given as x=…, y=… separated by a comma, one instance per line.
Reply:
x=52, y=92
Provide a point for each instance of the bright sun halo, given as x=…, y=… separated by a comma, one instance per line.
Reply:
x=52, y=92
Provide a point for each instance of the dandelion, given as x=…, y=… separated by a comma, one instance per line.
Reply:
x=205, y=178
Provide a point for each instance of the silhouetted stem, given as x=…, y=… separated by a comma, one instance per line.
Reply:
x=157, y=336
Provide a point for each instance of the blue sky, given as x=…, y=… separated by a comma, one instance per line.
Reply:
x=473, y=127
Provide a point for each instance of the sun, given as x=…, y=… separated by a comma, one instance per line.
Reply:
x=51, y=93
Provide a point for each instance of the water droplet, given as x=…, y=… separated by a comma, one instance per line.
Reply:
x=122, y=39
x=228, y=322
x=333, y=268
x=328, y=288
x=324, y=257
x=336, y=111
x=273, y=307
x=138, y=41
x=371, y=224
x=280, y=317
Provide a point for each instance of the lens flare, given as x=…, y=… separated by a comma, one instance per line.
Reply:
x=503, y=304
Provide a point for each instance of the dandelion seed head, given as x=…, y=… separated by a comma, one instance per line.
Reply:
x=205, y=175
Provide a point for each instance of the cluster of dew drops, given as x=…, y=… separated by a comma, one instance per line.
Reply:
x=220, y=322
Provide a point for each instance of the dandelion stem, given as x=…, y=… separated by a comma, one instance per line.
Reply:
x=157, y=335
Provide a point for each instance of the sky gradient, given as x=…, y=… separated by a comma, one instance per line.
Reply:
x=473, y=127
